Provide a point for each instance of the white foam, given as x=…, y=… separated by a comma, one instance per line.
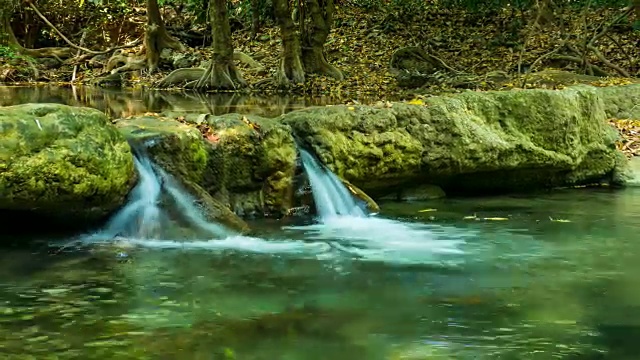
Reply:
x=241, y=243
x=379, y=239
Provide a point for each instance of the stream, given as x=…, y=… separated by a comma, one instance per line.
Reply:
x=543, y=276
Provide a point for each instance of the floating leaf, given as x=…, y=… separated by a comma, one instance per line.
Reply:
x=473, y=217
x=559, y=220
x=427, y=210
x=496, y=218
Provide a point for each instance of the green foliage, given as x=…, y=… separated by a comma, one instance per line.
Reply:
x=7, y=53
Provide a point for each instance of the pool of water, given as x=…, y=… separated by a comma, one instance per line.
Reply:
x=551, y=276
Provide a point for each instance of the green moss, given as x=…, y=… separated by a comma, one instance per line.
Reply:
x=466, y=140
x=60, y=159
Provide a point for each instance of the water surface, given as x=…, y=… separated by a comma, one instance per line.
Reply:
x=556, y=280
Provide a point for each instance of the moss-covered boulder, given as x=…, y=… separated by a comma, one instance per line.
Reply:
x=621, y=102
x=469, y=142
x=62, y=161
x=247, y=164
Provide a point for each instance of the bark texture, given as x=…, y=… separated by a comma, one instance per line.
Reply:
x=315, y=31
x=291, y=69
x=156, y=37
x=221, y=74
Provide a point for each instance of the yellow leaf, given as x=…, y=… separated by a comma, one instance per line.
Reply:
x=416, y=102
x=427, y=210
x=496, y=218
x=351, y=108
x=470, y=217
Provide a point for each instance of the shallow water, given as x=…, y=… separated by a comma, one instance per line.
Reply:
x=435, y=280
x=120, y=103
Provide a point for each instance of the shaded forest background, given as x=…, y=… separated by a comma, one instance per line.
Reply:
x=318, y=46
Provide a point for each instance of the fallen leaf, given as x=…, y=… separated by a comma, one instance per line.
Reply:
x=559, y=220
x=496, y=218
x=427, y=210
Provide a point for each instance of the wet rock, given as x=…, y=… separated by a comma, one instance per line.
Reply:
x=634, y=166
x=474, y=142
x=62, y=162
x=246, y=163
x=419, y=193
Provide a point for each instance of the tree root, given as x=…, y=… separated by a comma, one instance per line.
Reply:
x=129, y=63
x=247, y=60
x=180, y=77
x=220, y=77
x=190, y=76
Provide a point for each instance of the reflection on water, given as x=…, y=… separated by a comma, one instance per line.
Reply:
x=122, y=103
x=385, y=288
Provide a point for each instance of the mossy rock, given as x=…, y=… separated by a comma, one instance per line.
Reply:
x=469, y=142
x=62, y=161
x=249, y=169
x=621, y=102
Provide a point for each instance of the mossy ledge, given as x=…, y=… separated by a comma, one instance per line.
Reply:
x=67, y=161
x=469, y=143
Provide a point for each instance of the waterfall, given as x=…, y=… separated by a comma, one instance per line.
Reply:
x=331, y=197
x=143, y=218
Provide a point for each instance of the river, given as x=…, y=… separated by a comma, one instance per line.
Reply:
x=544, y=276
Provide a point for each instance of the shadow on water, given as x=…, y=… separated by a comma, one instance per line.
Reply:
x=120, y=103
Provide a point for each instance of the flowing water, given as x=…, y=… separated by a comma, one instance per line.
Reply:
x=550, y=276
x=413, y=284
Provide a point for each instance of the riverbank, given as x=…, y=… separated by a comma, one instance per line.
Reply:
x=483, y=55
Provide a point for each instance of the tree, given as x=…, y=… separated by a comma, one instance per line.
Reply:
x=303, y=50
x=316, y=26
x=221, y=73
x=156, y=36
x=291, y=69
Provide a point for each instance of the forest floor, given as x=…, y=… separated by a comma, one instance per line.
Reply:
x=363, y=41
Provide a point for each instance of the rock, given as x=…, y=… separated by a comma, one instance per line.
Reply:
x=62, y=162
x=423, y=192
x=634, y=166
x=249, y=170
x=471, y=142
x=621, y=102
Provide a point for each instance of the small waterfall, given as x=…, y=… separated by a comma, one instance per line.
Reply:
x=143, y=218
x=331, y=197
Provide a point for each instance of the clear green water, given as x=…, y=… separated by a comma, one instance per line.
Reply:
x=523, y=288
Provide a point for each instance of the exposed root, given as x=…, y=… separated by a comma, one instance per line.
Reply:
x=181, y=76
x=315, y=62
x=221, y=77
x=247, y=60
x=129, y=63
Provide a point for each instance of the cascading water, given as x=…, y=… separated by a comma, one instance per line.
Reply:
x=331, y=197
x=347, y=228
x=143, y=221
x=143, y=218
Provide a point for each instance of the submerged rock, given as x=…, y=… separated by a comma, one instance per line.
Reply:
x=62, y=162
x=470, y=142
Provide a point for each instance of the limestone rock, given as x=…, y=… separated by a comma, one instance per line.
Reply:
x=62, y=161
x=249, y=169
x=470, y=142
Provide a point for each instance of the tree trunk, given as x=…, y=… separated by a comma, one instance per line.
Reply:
x=156, y=37
x=221, y=74
x=7, y=38
x=291, y=69
x=255, y=17
x=315, y=34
